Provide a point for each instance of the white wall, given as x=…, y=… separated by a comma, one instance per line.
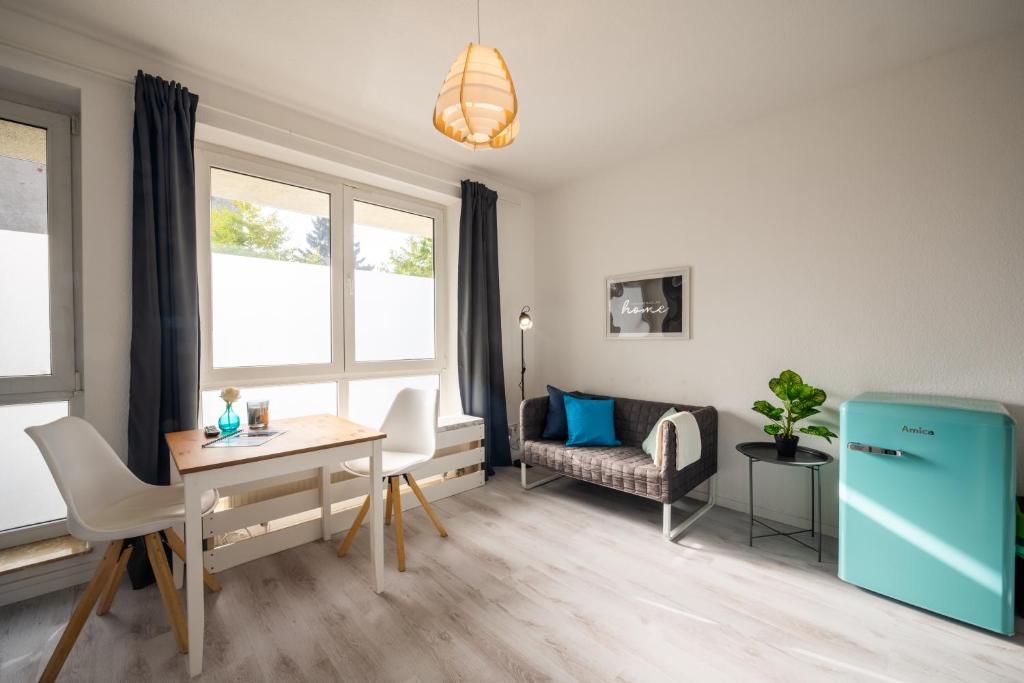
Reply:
x=873, y=239
x=518, y=289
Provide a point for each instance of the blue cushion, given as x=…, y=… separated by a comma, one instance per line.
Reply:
x=591, y=421
x=555, y=426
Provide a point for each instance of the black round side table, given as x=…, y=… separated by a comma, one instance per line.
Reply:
x=765, y=451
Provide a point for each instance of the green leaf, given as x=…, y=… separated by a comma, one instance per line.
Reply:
x=817, y=397
x=803, y=413
x=768, y=410
x=787, y=386
x=773, y=429
x=818, y=430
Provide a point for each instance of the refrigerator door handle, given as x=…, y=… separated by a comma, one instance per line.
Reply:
x=874, y=450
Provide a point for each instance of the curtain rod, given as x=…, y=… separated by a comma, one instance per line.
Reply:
x=130, y=80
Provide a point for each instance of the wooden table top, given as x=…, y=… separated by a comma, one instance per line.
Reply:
x=302, y=434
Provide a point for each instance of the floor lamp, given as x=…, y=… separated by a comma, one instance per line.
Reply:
x=525, y=323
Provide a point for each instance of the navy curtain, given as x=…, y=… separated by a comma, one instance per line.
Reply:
x=164, y=385
x=481, y=368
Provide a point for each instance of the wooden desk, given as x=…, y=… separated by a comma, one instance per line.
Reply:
x=315, y=442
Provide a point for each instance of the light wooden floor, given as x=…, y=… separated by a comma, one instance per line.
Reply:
x=565, y=582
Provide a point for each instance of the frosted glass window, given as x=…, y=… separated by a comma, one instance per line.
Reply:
x=370, y=399
x=24, y=252
x=28, y=494
x=286, y=400
x=393, y=258
x=270, y=272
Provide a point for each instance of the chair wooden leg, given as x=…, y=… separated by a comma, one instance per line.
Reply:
x=397, y=506
x=164, y=581
x=81, y=613
x=178, y=546
x=387, y=504
x=426, y=506
x=115, y=582
x=351, y=535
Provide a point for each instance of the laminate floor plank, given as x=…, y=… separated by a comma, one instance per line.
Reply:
x=567, y=582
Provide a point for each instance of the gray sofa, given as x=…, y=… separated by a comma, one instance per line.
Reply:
x=626, y=467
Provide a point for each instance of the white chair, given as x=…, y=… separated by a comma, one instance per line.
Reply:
x=106, y=502
x=411, y=428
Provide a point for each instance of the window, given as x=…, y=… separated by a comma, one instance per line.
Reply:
x=28, y=494
x=317, y=295
x=393, y=259
x=289, y=400
x=37, y=375
x=369, y=399
x=270, y=259
x=24, y=262
x=36, y=352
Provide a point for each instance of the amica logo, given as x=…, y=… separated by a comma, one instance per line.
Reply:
x=918, y=430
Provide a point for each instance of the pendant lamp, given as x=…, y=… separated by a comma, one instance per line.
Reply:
x=477, y=105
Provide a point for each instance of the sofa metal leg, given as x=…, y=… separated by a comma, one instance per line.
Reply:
x=534, y=484
x=671, y=533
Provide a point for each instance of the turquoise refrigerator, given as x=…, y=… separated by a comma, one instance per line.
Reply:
x=927, y=489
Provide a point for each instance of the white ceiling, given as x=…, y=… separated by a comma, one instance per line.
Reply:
x=598, y=81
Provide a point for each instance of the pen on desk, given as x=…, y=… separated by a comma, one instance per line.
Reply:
x=221, y=438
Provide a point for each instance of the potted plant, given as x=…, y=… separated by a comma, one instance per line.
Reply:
x=799, y=401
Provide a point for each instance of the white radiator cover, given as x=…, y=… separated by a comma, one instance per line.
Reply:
x=256, y=520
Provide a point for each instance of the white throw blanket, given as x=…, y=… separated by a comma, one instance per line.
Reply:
x=687, y=440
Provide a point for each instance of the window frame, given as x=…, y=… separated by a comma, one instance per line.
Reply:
x=391, y=200
x=62, y=377
x=342, y=366
x=61, y=385
x=208, y=158
x=40, y=531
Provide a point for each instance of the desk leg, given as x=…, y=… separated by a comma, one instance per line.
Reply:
x=194, y=573
x=325, y=503
x=377, y=517
x=177, y=564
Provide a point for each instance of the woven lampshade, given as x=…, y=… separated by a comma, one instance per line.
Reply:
x=477, y=105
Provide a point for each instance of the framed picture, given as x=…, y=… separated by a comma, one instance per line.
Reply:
x=654, y=304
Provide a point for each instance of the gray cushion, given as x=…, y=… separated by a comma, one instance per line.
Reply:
x=624, y=468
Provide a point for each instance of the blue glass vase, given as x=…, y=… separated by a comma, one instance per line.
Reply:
x=229, y=421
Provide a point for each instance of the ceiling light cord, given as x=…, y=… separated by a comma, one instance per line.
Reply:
x=478, y=22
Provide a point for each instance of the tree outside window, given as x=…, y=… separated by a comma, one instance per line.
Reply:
x=415, y=258
x=240, y=228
